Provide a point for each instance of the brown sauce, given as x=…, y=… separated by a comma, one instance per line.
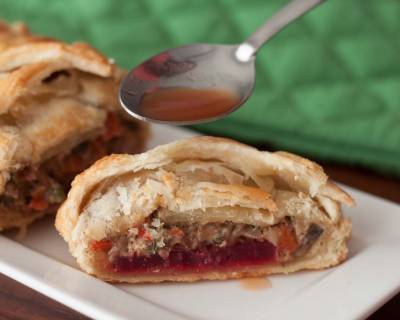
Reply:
x=254, y=284
x=186, y=104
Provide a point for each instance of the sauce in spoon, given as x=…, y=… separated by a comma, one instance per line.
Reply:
x=186, y=104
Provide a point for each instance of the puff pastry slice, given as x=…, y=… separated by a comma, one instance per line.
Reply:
x=203, y=208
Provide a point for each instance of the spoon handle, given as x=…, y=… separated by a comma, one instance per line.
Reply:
x=281, y=19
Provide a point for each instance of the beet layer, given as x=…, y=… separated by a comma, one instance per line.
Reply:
x=211, y=257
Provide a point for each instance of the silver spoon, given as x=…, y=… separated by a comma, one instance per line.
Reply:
x=201, y=82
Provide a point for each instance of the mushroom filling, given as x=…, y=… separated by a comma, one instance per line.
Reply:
x=157, y=246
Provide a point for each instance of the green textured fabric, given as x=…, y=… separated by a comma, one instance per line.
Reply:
x=328, y=86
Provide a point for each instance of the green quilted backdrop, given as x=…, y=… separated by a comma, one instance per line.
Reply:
x=328, y=86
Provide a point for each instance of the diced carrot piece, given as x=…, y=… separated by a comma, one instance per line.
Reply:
x=38, y=203
x=147, y=236
x=101, y=245
x=287, y=239
x=142, y=231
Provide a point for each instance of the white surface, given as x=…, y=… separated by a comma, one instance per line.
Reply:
x=350, y=291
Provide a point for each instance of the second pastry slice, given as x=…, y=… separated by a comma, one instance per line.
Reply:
x=59, y=113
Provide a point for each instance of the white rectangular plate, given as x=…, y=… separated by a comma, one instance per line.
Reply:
x=352, y=290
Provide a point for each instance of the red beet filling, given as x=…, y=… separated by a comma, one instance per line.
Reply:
x=211, y=257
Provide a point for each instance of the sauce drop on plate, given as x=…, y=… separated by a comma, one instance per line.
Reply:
x=254, y=284
x=186, y=104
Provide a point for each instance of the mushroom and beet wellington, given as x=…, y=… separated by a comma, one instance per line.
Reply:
x=203, y=208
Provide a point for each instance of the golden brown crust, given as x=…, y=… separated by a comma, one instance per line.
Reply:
x=19, y=47
x=284, y=185
x=53, y=96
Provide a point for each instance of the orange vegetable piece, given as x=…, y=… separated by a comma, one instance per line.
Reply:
x=101, y=245
x=38, y=203
x=287, y=239
x=143, y=233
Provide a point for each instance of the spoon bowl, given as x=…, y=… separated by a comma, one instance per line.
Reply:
x=201, y=82
x=191, y=84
